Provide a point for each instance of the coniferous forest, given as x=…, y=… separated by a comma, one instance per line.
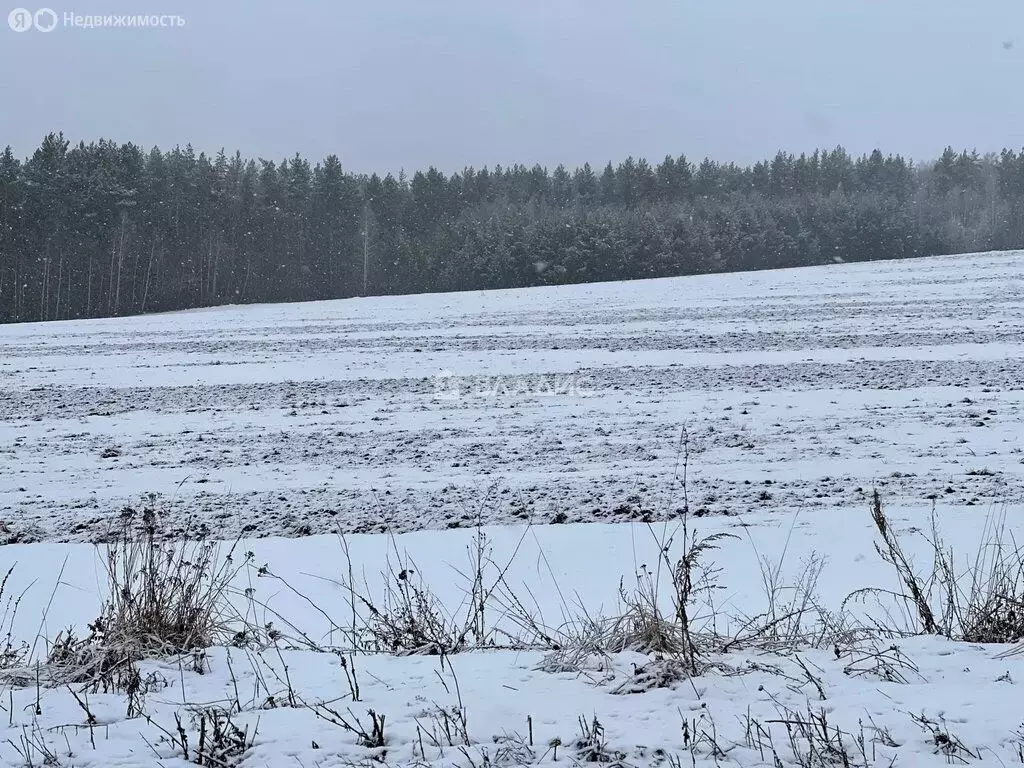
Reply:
x=103, y=229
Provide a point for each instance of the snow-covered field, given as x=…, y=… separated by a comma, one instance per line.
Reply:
x=915, y=701
x=799, y=391
x=805, y=386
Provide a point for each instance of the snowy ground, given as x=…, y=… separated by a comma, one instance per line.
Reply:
x=918, y=701
x=800, y=389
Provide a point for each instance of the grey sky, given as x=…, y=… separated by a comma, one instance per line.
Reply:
x=387, y=84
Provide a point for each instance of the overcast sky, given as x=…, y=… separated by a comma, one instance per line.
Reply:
x=390, y=84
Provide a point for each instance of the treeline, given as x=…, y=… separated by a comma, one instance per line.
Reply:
x=103, y=229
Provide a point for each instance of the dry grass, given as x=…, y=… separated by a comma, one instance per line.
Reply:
x=406, y=617
x=13, y=653
x=172, y=597
x=212, y=739
x=809, y=739
x=981, y=601
x=166, y=597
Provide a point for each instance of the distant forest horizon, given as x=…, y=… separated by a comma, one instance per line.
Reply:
x=106, y=229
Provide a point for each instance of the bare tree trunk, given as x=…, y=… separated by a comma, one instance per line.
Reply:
x=19, y=295
x=216, y=269
x=67, y=303
x=44, y=284
x=120, y=264
x=135, y=278
x=88, y=289
x=248, y=273
x=60, y=281
x=149, y=272
x=110, y=283
x=207, y=270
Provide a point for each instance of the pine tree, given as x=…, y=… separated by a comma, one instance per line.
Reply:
x=104, y=229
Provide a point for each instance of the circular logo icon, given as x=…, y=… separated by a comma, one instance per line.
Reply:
x=20, y=20
x=45, y=19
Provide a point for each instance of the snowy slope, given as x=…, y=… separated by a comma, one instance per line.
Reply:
x=562, y=401
x=800, y=390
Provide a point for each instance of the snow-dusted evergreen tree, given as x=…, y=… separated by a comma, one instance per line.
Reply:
x=105, y=229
